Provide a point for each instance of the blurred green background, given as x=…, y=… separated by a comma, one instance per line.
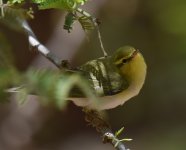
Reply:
x=156, y=118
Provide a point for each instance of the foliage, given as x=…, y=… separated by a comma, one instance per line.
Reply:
x=14, y=10
x=8, y=75
x=68, y=5
x=53, y=87
x=69, y=20
x=72, y=7
x=14, y=15
x=15, y=1
x=86, y=23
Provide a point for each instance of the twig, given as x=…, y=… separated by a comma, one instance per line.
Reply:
x=95, y=119
x=93, y=20
x=40, y=47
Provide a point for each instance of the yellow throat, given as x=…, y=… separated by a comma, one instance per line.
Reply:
x=135, y=72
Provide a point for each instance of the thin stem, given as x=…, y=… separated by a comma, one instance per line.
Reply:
x=97, y=28
x=100, y=40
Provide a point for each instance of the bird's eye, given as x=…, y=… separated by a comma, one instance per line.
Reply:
x=124, y=61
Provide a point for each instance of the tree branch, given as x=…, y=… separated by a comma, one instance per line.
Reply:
x=96, y=120
x=96, y=25
x=38, y=46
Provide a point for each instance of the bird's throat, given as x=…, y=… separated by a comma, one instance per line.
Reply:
x=135, y=72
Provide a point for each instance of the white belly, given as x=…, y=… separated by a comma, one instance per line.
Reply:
x=107, y=102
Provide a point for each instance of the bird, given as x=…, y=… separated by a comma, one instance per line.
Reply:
x=114, y=79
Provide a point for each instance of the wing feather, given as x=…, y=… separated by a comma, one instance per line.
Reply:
x=103, y=77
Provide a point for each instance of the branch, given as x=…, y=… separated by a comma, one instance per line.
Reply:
x=40, y=47
x=96, y=25
x=95, y=119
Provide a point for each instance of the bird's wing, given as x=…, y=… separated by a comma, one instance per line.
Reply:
x=102, y=78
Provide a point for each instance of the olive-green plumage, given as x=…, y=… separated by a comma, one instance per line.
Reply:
x=104, y=76
x=115, y=78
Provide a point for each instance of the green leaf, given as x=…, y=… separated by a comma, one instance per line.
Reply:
x=69, y=20
x=119, y=132
x=13, y=16
x=62, y=91
x=86, y=23
x=127, y=140
x=8, y=77
x=21, y=96
x=15, y=1
x=68, y=5
x=53, y=87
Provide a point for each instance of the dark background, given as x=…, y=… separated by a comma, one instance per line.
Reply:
x=155, y=119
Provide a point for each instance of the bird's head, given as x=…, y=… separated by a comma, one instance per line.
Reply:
x=129, y=62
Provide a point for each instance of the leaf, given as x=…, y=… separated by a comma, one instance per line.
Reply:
x=119, y=132
x=21, y=96
x=65, y=86
x=86, y=23
x=6, y=56
x=45, y=83
x=7, y=78
x=15, y=1
x=13, y=16
x=81, y=1
x=8, y=74
x=61, y=92
x=127, y=140
x=53, y=87
x=68, y=5
x=69, y=20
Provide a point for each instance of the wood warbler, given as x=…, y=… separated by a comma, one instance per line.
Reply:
x=115, y=79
